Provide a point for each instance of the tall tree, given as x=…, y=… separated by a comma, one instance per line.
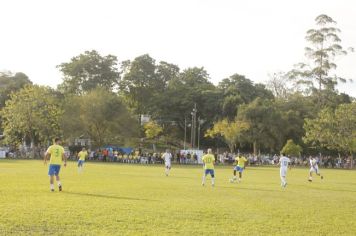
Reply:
x=100, y=115
x=231, y=131
x=33, y=113
x=324, y=47
x=88, y=71
x=333, y=129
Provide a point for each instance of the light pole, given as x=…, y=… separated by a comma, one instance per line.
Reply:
x=194, y=118
x=185, y=131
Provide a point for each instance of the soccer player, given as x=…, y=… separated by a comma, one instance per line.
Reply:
x=82, y=155
x=208, y=160
x=283, y=163
x=167, y=157
x=56, y=154
x=240, y=160
x=313, y=168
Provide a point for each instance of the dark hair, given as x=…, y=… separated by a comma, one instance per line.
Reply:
x=57, y=139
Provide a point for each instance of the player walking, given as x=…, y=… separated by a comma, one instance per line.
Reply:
x=283, y=163
x=56, y=154
x=208, y=160
x=82, y=155
x=167, y=157
x=313, y=168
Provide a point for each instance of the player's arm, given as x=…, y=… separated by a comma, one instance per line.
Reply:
x=45, y=157
x=64, y=158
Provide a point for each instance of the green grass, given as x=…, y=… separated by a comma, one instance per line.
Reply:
x=118, y=199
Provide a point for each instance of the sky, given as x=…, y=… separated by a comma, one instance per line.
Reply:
x=252, y=38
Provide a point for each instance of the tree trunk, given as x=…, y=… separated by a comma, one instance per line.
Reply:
x=255, y=148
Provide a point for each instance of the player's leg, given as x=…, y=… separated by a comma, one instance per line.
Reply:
x=212, y=174
x=234, y=175
x=51, y=182
x=240, y=173
x=311, y=174
x=204, y=177
x=59, y=183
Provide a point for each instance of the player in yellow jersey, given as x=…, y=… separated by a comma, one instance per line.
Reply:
x=208, y=160
x=82, y=155
x=56, y=154
x=240, y=166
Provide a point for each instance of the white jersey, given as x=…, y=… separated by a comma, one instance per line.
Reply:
x=284, y=162
x=167, y=158
x=314, y=165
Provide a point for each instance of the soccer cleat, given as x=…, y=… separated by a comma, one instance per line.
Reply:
x=309, y=180
x=321, y=177
x=52, y=190
x=212, y=185
x=60, y=187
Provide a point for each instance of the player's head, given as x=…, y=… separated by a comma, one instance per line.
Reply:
x=83, y=149
x=167, y=150
x=209, y=150
x=57, y=140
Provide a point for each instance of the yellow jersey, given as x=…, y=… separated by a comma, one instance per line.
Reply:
x=241, y=161
x=82, y=155
x=56, y=152
x=208, y=160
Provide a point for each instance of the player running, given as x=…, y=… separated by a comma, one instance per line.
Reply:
x=167, y=157
x=283, y=163
x=56, y=154
x=208, y=160
x=82, y=155
x=240, y=161
x=313, y=168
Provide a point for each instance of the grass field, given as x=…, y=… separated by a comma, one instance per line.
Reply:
x=118, y=199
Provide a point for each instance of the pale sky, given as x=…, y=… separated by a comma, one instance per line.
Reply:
x=252, y=38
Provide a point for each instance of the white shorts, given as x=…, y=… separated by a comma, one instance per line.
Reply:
x=314, y=169
x=283, y=172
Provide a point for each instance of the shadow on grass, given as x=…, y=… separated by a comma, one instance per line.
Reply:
x=250, y=189
x=109, y=196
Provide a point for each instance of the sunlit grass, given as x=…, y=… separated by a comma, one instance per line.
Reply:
x=118, y=199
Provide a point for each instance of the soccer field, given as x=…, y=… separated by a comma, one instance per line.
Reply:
x=119, y=199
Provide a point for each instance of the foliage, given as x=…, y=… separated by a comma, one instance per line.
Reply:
x=152, y=129
x=99, y=115
x=88, y=71
x=290, y=148
x=33, y=113
x=324, y=48
x=230, y=131
x=333, y=129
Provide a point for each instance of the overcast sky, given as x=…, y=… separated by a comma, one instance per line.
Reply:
x=252, y=38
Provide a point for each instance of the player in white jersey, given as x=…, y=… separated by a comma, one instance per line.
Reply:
x=283, y=163
x=167, y=157
x=313, y=168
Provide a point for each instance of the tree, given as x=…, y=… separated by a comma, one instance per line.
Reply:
x=290, y=148
x=333, y=129
x=230, y=131
x=237, y=90
x=277, y=84
x=88, y=71
x=33, y=113
x=324, y=48
x=152, y=129
x=139, y=82
x=265, y=125
x=100, y=115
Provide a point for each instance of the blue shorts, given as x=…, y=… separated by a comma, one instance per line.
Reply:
x=80, y=162
x=54, y=169
x=209, y=171
x=239, y=169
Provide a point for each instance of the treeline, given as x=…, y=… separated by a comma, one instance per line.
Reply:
x=103, y=99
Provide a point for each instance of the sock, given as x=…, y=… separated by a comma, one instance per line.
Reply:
x=52, y=186
x=59, y=183
x=213, y=181
x=234, y=178
x=203, y=179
